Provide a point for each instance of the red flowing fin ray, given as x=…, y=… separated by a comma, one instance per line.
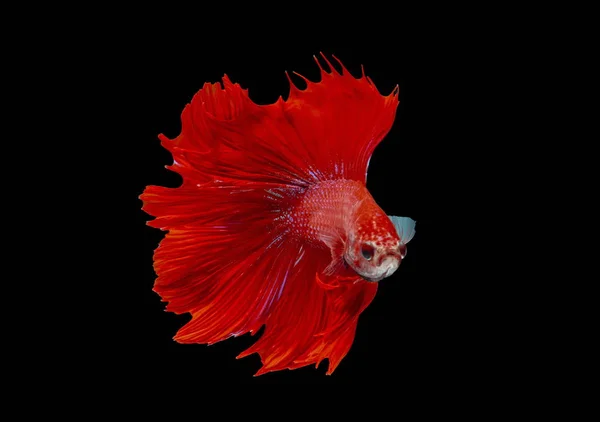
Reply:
x=312, y=321
x=241, y=302
x=226, y=263
x=328, y=130
x=198, y=142
x=342, y=119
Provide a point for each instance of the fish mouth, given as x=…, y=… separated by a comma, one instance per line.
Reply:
x=391, y=269
x=391, y=254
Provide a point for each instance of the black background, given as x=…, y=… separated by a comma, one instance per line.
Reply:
x=422, y=326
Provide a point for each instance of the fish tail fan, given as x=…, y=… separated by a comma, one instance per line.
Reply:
x=225, y=259
x=328, y=130
x=312, y=322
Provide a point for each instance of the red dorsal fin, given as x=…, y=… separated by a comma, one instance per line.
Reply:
x=328, y=130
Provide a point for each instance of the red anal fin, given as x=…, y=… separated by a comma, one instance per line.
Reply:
x=324, y=320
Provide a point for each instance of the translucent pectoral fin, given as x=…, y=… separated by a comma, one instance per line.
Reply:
x=405, y=227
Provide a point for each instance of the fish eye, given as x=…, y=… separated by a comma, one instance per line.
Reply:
x=367, y=251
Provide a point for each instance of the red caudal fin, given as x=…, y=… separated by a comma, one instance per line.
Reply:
x=225, y=260
x=328, y=130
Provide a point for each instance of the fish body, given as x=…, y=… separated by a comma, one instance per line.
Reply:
x=273, y=224
x=343, y=216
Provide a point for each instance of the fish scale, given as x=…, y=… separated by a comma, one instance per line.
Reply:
x=326, y=207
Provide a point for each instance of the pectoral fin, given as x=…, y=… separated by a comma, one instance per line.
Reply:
x=405, y=227
x=337, y=246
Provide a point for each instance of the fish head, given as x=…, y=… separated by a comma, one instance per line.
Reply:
x=372, y=262
x=376, y=247
x=374, y=252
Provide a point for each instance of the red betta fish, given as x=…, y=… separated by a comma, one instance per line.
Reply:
x=273, y=224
